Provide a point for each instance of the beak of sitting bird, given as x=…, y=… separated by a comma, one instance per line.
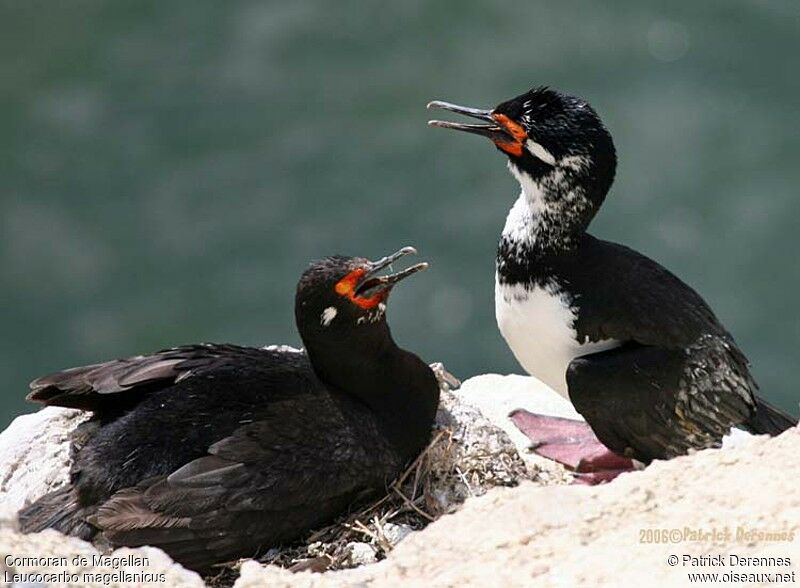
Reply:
x=372, y=283
x=504, y=132
x=365, y=286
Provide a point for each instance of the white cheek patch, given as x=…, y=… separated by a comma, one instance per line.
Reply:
x=540, y=152
x=328, y=315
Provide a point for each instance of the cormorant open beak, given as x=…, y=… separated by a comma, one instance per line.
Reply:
x=494, y=131
x=507, y=134
x=371, y=284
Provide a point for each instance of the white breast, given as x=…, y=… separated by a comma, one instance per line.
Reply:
x=538, y=325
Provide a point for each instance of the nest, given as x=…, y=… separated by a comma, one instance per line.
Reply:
x=466, y=456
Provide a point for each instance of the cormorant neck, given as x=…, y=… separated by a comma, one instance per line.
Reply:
x=552, y=211
x=396, y=385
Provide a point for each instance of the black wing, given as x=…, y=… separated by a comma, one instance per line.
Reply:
x=654, y=403
x=624, y=295
x=264, y=484
x=94, y=386
x=678, y=382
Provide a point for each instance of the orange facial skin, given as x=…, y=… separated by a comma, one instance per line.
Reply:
x=347, y=287
x=516, y=131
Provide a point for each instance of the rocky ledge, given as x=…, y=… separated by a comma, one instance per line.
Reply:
x=519, y=523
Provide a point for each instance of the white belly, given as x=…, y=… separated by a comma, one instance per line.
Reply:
x=538, y=325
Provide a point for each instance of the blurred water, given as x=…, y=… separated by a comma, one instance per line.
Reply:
x=168, y=169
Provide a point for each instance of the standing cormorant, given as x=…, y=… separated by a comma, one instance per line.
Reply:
x=638, y=352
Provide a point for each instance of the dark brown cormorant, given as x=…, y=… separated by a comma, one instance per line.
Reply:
x=216, y=452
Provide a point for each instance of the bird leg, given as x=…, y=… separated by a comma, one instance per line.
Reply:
x=572, y=444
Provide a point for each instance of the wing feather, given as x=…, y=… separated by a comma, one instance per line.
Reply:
x=653, y=403
x=259, y=486
x=89, y=387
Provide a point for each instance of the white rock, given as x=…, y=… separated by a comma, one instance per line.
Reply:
x=35, y=455
x=77, y=557
x=496, y=396
x=737, y=438
x=361, y=553
x=396, y=533
x=478, y=455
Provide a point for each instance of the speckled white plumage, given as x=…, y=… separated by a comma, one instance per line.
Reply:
x=537, y=322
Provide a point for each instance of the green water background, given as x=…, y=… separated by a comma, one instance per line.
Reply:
x=168, y=169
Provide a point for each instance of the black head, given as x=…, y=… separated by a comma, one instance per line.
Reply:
x=340, y=310
x=345, y=297
x=549, y=138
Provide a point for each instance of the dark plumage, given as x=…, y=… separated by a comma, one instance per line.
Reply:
x=677, y=382
x=640, y=354
x=215, y=452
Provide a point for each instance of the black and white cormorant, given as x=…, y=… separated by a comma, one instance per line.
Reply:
x=639, y=353
x=215, y=452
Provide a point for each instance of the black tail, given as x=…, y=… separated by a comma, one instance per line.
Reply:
x=59, y=510
x=768, y=419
